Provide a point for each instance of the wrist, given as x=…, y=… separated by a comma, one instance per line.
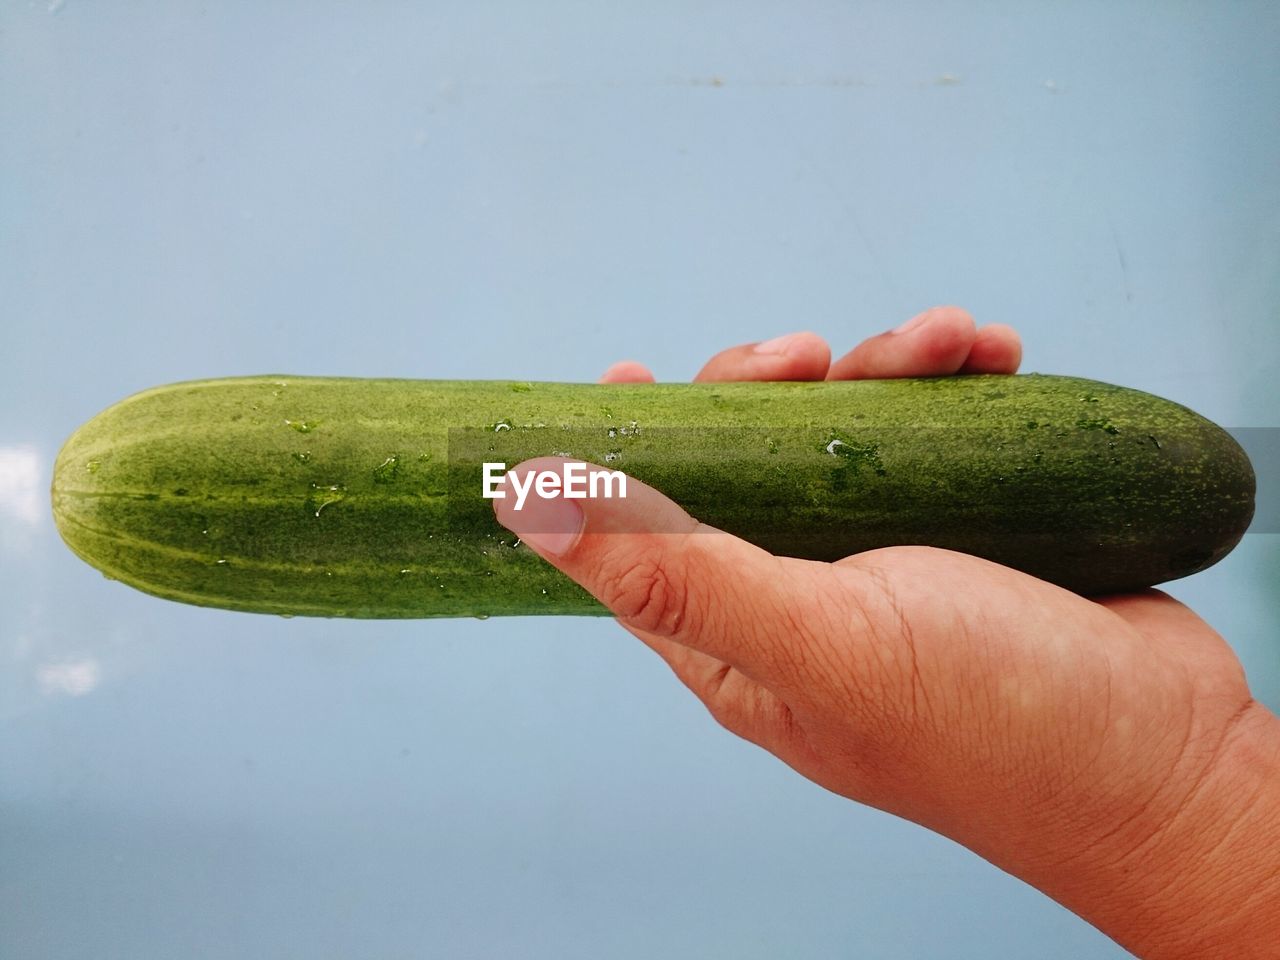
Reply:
x=1196, y=873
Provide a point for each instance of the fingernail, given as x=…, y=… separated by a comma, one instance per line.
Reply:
x=550, y=525
x=917, y=321
x=777, y=346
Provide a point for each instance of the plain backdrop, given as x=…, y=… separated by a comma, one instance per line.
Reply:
x=534, y=190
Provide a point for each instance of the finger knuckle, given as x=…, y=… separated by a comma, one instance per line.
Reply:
x=647, y=595
x=726, y=710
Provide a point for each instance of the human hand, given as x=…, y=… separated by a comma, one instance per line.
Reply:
x=1105, y=750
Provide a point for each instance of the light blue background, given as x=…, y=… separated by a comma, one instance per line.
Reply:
x=535, y=190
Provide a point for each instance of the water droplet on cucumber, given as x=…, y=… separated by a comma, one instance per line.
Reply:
x=323, y=495
x=387, y=470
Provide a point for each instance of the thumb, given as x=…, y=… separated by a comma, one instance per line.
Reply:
x=657, y=569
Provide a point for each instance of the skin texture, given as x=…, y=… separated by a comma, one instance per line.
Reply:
x=1106, y=750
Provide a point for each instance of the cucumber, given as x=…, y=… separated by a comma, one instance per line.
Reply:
x=362, y=498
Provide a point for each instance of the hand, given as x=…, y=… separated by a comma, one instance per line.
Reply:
x=1105, y=750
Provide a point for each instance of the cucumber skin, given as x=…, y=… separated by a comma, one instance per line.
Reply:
x=334, y=496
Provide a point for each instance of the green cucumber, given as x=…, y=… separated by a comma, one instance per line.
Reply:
x=363, y=498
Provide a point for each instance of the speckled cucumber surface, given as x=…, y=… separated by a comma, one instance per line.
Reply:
x=335, y=497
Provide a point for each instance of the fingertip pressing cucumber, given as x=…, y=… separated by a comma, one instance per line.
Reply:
x=363, y=498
